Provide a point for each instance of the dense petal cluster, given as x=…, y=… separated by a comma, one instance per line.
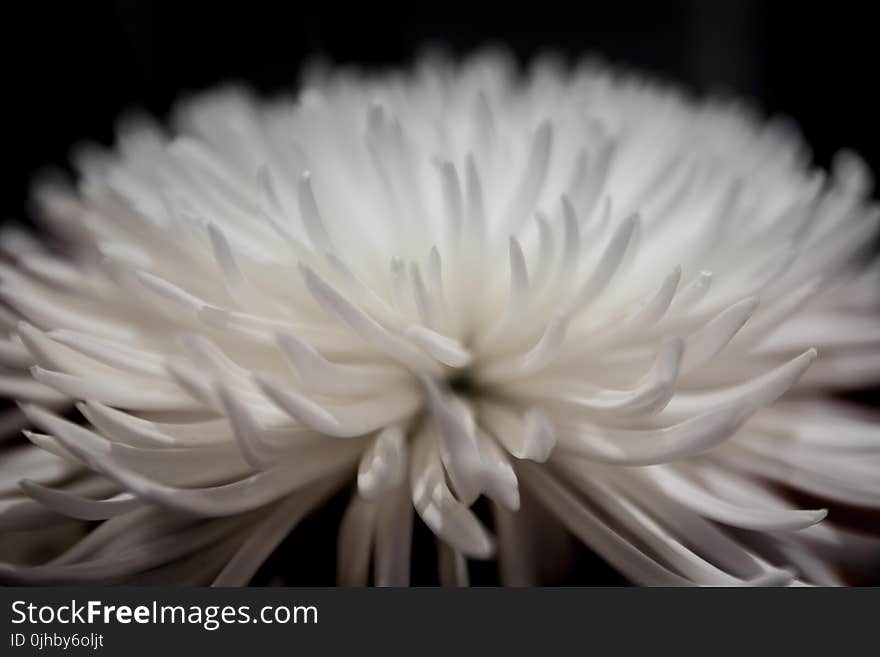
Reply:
x=575, y=287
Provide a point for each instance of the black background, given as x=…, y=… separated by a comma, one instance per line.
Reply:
x=69, y=68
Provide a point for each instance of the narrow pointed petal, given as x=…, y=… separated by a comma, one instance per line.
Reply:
x=445, y=515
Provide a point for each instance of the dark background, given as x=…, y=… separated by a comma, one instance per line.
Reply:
x=69, y=68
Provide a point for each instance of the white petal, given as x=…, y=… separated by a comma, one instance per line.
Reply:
x=354, y=543
x=79, y=507
x=382, y=465
x=393, y=538
x=528, y=437
x=647, y=447
x=446, y=516
x=700, y=500
x=458, y=442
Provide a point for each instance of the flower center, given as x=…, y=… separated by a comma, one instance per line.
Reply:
x=462, y=383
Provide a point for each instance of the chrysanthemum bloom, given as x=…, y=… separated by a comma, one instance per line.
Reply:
x=580, y=287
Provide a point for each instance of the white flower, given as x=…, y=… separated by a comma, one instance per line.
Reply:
x=580, y=287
